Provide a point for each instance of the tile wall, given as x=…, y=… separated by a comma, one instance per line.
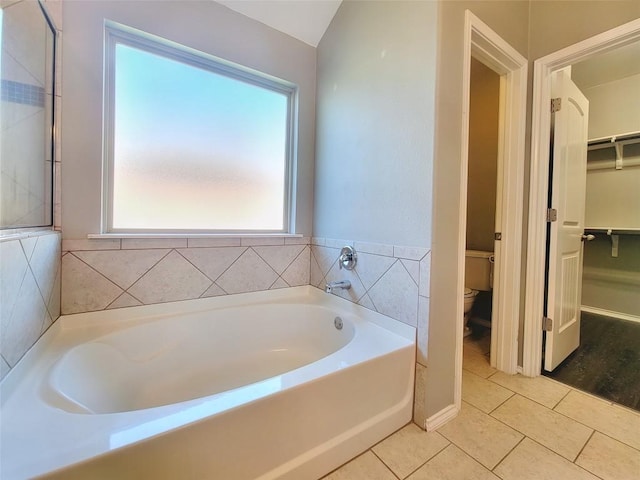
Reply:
x=112, y=273
x=30, y=293
x=390, y=279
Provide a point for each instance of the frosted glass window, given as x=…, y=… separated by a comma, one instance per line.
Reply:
x=196, y=145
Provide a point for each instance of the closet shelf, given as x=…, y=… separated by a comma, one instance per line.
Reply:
x=613, y=230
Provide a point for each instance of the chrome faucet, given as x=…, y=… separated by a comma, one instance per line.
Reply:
x=344, y=284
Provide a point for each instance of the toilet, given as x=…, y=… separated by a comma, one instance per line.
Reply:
x=478, y=275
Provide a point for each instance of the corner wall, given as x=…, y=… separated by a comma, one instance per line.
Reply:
x=374, y=159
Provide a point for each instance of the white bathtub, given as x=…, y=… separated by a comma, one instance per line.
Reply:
x=250, y=386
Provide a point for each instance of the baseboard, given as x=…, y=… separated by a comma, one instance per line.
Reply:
x=442, y=417
x=610, y=313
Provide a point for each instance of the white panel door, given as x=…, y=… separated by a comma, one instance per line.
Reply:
x=568, y=186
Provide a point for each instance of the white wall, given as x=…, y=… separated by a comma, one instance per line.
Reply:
x=205, y=26
x=374, y=154
x=374, y=159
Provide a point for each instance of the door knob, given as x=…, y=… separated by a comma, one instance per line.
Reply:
x=588, y=238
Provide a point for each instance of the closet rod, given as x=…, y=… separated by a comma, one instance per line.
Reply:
x=614, y=138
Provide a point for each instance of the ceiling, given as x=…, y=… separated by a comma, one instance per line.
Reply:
x=606, y=67
x=305, y=20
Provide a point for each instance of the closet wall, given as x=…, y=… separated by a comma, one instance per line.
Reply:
x=611, y=279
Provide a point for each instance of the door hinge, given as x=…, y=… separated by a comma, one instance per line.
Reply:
x=547, y=324
x=552, y=215
x=556, y=105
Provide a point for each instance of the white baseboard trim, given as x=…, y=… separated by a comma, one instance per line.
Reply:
x=610, y=313
x=442, y=417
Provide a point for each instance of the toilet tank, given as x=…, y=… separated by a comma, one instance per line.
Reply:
x=478, y=270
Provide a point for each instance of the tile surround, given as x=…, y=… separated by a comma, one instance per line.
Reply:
x=112, y=273
x=30, y=293
x=392, y=280
x=99, y=271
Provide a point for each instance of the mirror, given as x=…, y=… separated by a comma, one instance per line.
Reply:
x=27, y=40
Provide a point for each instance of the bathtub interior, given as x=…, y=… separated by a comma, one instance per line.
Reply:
x=118, y=372
x=49, y=424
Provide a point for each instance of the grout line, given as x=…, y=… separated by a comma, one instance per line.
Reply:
x=382, y=274
x=583, y=446
x=502, y=403
x=101, y=274
x=387, y=466
x=231, y=265
x=409, y=273
x=198, y=269
x=560, y=401
x=143, y=275
x=596, y=430
x=507, y=454
x=556, y=453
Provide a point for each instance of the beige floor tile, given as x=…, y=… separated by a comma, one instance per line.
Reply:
x=531, y=461
x=482, y=393
x=477, y=363
x=408, y=448
x=619, y=423
x=452, y=464
x=481, y=436
x=480, y=345
x=365, y=467
x=538, y=389
x=553, y=430
x=610, y=459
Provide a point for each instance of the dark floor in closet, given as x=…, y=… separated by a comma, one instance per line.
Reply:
x=607, y=362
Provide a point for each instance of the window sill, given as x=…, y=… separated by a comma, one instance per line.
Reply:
x=92, y=236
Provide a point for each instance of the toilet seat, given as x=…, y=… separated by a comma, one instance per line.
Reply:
x=470, y=293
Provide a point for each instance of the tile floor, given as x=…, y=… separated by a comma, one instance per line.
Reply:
x=510, y=428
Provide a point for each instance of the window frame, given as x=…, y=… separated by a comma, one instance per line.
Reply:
x=114, y=34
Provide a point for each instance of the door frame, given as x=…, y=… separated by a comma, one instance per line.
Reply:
x=539, y=178
x=482, y=43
